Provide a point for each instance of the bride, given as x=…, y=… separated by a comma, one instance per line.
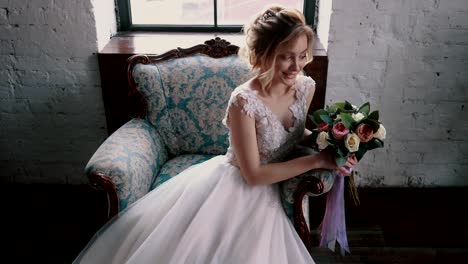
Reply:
x=227, y=209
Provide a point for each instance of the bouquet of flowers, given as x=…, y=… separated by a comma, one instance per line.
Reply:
x=348, y=130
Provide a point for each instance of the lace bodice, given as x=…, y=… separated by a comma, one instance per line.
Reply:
x=274, y=141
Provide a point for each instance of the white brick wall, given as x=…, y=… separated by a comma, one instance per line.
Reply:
x=105, y=20
x=51, y=110
x=410, y=60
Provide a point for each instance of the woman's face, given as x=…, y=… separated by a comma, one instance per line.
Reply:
x=290, y=62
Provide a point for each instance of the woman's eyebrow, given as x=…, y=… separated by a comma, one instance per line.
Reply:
x=292, y=53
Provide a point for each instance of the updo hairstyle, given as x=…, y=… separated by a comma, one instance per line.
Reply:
x=269, y=34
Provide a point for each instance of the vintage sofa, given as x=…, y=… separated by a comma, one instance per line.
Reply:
x=183, y=93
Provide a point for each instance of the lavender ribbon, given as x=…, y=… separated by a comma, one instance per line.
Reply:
x=333, y=227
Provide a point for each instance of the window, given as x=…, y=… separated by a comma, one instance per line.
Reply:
x=199, y=15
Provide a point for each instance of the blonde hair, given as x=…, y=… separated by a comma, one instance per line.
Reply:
x=271, y=32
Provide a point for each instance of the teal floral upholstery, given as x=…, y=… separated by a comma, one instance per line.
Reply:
x=187, y=98
x=132, y=157
x=177, y=165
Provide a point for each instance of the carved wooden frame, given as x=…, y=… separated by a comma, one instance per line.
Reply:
x=100, y=181
x=216, y=48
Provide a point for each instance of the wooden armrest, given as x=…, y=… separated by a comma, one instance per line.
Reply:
x=306, y=185
x=100, y=181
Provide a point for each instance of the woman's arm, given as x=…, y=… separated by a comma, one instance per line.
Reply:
x=244, y=140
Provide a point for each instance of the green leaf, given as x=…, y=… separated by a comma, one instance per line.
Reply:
x=361, y=151
x=315, y=120
x=332, y=109
x=374, y=115
x=365, y=108
x=345, y=109
x=317, y=115
x=375, y=143
x=339, y=105
x=348, y=106
x=320, y=112
x=347, y=120
x=341, y=149
x=340, y=161
x=327, y=119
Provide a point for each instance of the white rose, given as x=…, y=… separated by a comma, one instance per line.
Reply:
x=357, y=117
x=352, y=142
x=381, y=133
x=322, y=140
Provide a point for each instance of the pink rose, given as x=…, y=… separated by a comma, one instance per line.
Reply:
x=323, y=127
x=339, y=131
x=365, y=132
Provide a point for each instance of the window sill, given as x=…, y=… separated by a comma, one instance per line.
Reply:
x=157, y=43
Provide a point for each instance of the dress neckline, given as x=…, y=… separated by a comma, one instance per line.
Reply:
x=275, y=116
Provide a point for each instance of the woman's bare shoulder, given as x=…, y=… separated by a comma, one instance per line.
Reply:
x=249, y=85
x=246, y=89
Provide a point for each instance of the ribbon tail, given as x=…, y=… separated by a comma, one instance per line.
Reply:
x=333, y=227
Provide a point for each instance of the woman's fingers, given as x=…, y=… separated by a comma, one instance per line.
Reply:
x=349, y=164
x=343, y=170
x=352, y=160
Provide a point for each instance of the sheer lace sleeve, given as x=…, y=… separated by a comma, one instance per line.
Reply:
x=245, y=99
x=241, y=98
x=305, y=86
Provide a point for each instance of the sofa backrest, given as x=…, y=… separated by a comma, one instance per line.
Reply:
x=187, y=98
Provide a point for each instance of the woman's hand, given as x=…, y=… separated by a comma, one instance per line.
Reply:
x=348, y=167
x=327, y=161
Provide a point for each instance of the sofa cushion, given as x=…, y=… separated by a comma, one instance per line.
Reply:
x=176, y=166
x=187, y=98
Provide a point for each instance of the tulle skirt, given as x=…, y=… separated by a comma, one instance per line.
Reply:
x=206, y=214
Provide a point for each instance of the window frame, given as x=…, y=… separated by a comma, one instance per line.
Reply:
x=124, y=20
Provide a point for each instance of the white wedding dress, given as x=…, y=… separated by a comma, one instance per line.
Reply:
x=207, y=213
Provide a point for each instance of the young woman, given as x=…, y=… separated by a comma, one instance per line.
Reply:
x=227, y=209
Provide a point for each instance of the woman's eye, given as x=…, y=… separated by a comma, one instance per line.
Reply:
x=291, y=58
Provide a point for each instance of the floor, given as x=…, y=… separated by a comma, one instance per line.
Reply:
x=52, y=223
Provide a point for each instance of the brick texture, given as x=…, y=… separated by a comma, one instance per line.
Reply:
x=51, y=109
x=409, y=60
